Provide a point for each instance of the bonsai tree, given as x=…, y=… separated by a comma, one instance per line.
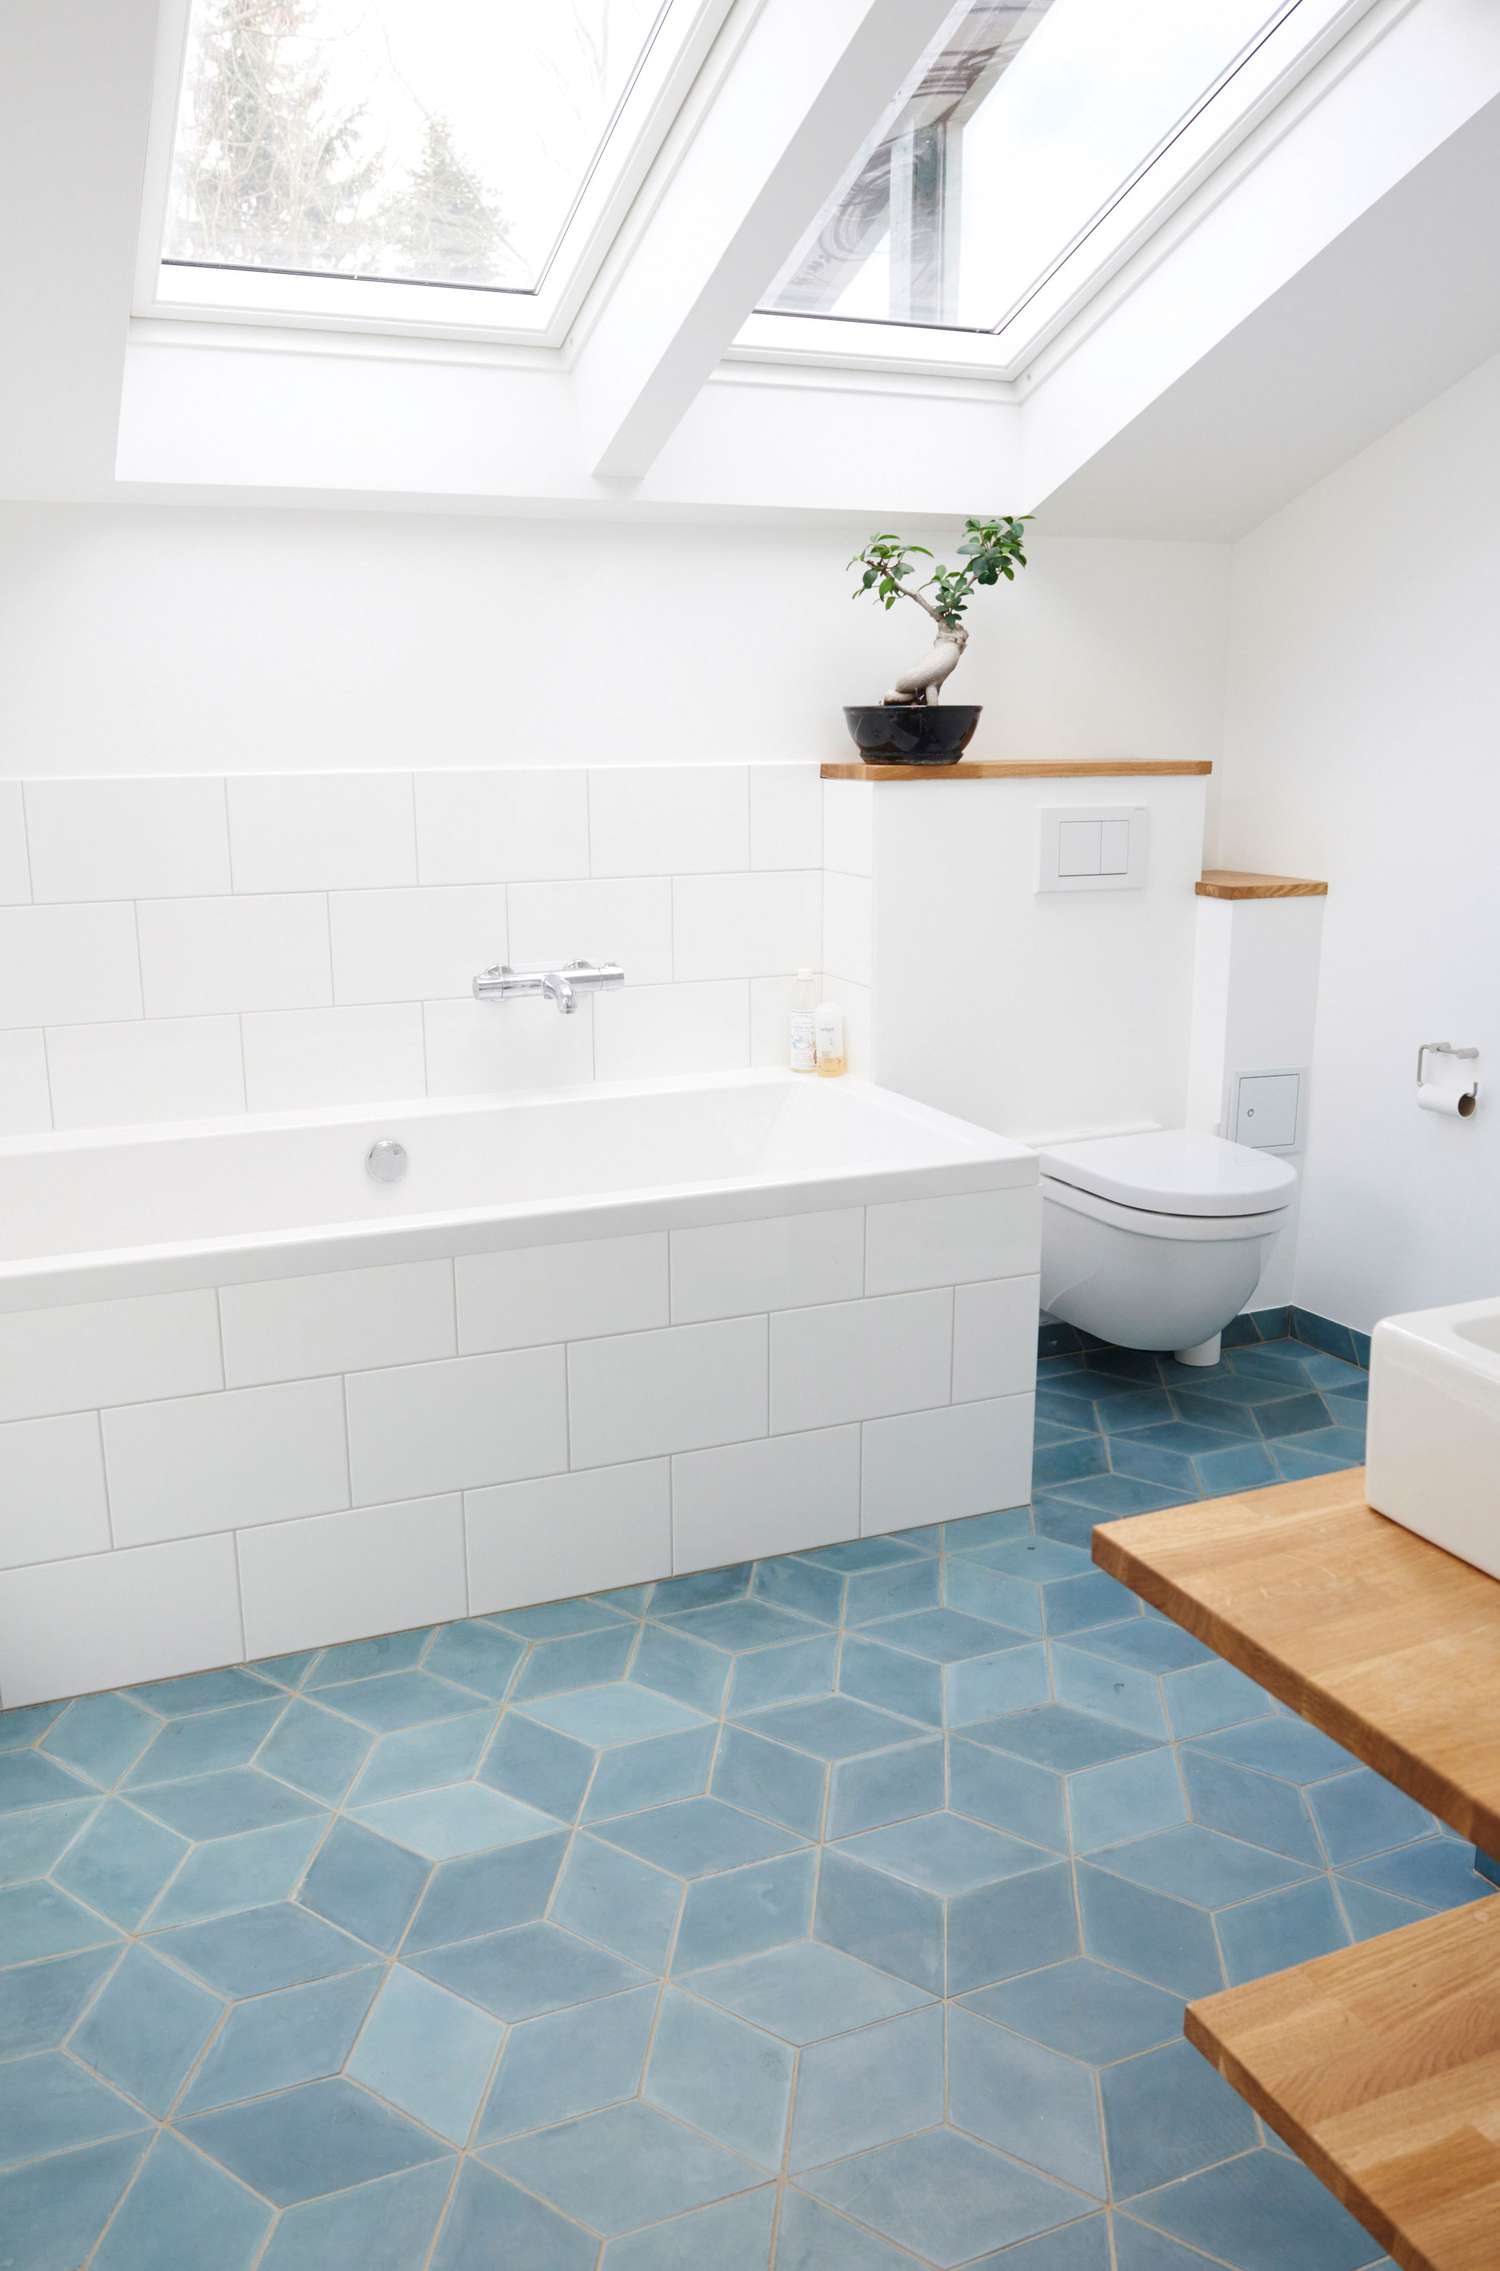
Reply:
x=991, y=549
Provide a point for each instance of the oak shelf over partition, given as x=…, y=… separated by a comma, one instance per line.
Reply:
x=1024, y=769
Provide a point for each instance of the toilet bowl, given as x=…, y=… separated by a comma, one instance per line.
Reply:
x=1156, y=1241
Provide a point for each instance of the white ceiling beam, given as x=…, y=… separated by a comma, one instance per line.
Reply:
x=806, y=87
x=75, y=109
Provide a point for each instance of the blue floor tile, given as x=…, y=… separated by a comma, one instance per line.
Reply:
x=733, y=2235
x=101, y=1735
x=385, y=2226
x=1164, y=2118
x=1282, y=1929
x=618, y=2170
x=723, y=2077
x=53, y=2211
x=623, y=1903
x=568, y=2063
x=49, y=2105
x=146, y=2028
x=540, y=1814
x=257, y=1950
x=1014, y=2092
x=1263, y=2212
x=305, y=2142
x=251, y=1871
x=869, y=2088
x=40, y=2002
x=182, y=2209
x=365, y=1885
x=1083, y=2009
x=274, y=2042
x=533, y=1968
x=426, y=2053
x=945, y=2194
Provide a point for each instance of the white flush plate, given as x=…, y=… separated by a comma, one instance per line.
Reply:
x=1094, y=847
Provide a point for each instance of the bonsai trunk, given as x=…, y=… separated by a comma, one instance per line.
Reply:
x=923, y=683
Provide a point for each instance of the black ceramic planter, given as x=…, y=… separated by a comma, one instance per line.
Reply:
x=912, y=733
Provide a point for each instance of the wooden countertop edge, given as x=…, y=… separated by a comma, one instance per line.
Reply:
x=1416, y=1775
x=1023, y=769
x=1459, y=1940
x=1242, y=883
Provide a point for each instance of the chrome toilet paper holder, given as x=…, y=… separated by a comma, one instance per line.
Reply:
x=1468, y=1096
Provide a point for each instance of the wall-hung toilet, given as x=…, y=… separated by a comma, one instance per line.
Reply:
x=1157, y=1241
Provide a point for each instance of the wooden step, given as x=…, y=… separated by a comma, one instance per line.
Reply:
x=1380, y=2067
x=1387, y=1643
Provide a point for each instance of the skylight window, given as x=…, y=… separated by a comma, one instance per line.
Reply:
x=337, y=146
x=1027, y=121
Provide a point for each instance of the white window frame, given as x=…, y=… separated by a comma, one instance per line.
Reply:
x=1180, y=165
x=540, y=318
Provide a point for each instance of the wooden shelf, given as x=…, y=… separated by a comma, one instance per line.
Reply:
x=1387, y=1643
x=1380, y=2067
x=1239, y=883
x=1023, y=769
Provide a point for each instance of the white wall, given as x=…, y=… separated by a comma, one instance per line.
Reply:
x=1362, y=745
x=148, y=639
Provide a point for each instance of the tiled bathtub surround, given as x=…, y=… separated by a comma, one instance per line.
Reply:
x=188, y=1478
x=710, y=1923
x=182, y=948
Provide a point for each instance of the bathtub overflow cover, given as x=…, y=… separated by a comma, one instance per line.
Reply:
x=386, y=1161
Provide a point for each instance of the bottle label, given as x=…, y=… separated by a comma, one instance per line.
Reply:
x=804, y=1054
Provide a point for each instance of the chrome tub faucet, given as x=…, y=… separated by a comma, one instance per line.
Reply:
x=561, y=987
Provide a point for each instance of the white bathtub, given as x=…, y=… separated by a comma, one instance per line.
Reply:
x=253, y=1401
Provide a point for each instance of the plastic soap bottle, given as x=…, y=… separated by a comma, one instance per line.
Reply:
x=828, y=1036
x=803, y=1042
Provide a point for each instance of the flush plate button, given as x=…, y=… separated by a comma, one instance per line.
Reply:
x=1094, y=848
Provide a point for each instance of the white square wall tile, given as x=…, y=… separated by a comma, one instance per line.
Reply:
x=849, y=927
x=25, y=1099
x=645, y=1030
x=860, y=1359
x=321, y=831
x=746, y=926
x=994, y=1339
x=51, y=1491
x=849, y=827
x=412, y=945
x=201, y=955
x=164, y=1068
x=106, y=1619
x=15, y=873
x=786, y=816
x=793, y=1261
x=669, y=819
x=126, y=839
x=503, y=826
x=68, y=965
x=297, y=1058
x=341, y=1321
x=953, y=1241
x=202, y=1463
x=535, y=1294
x=495, y=1048
x=544, y=1541
x=940, y=1466
x=641, y=1394
x=347, y=1576
x=108, y=1352
x=783, y=1495
x=455, y=1426
x=629, y=922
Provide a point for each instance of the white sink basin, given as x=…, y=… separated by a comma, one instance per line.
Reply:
x=1432, y=1459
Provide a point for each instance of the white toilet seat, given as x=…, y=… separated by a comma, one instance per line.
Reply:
x=1182, y=1172
x=1149, y=1222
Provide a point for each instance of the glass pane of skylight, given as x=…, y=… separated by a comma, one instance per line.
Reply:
x=1026, y=121
x=428, y=141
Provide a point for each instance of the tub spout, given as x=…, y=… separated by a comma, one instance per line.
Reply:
x=556, y=987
